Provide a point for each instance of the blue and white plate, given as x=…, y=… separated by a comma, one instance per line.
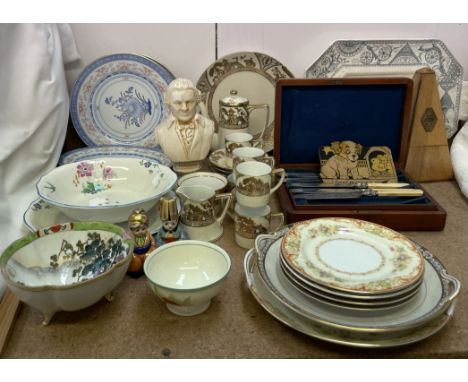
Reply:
x=350, y=58
x=118, y=99
x=86, y=153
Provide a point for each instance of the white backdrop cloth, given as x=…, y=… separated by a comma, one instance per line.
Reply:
x=34, y=107
x=459, y=154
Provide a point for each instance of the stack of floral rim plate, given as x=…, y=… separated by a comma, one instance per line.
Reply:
x=351, y=263
x=351, y=282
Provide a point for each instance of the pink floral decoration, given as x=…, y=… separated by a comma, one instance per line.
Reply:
x=85, y=169
x=107, y=173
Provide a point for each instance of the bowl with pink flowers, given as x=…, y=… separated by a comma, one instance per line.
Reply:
x=106, y=189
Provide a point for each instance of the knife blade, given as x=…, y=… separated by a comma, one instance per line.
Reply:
x=356, y=193
x=361, y=185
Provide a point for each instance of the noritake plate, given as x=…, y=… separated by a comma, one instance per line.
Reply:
x=353, y=256
x=340, y=336
x=366, y=58
x=86, y=153
x=118, y=99
x=436, y=293
x=218, y=159
x=41, y=214
x=342, y=302
x=254, y=76
x=342, y=296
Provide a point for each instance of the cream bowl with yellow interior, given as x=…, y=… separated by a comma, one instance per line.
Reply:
x=106, y=189
x=187, y=274
x=67, y=267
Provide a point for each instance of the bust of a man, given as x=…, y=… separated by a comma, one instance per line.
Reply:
x=185, y=136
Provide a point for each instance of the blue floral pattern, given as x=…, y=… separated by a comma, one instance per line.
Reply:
x=132, y=105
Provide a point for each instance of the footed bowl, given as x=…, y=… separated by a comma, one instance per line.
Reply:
x=66, y=266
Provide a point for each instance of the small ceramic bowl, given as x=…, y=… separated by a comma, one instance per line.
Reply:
x=106, y=189
x=186, y=275
x=67, y=266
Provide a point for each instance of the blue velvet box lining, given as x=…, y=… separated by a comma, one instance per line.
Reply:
x=314, y=116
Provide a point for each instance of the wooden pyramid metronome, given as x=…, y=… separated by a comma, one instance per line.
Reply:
x=428, y=154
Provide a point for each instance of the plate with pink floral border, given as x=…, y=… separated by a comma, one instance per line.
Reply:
x=353, y=256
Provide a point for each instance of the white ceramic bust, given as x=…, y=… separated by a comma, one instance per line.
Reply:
x=185, y=136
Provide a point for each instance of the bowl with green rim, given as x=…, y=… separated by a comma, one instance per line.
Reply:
x=67, y=267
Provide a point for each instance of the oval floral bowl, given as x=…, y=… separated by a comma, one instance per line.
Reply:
x=67, y=266
x=106, y=189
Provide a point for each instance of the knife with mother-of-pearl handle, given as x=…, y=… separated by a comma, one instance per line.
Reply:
x=357, y=193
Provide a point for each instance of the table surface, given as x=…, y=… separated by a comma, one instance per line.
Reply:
x=138, y=325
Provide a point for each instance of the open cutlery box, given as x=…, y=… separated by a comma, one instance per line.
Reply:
x=310, y=113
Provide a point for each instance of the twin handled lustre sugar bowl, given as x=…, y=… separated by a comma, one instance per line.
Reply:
x=106, y=189
x=67, y=267
x=234, y=114
x=187, y=274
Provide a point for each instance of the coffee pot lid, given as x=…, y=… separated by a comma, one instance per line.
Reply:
x=234, y=100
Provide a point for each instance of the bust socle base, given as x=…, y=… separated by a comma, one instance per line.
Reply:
x=186, y=167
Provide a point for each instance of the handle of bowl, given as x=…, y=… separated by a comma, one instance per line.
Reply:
x=282, y=173
x=266, y=107
x=248, y=265
x=452, y=298
x=265, y=236
x=228, y=197
x=455, y=285
x=280, y=216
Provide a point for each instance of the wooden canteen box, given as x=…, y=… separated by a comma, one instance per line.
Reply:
x=310, y=113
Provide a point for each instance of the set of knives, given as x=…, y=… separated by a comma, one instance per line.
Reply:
x=309, y=186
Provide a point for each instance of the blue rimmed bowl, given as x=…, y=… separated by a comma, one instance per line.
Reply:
x=105, y=189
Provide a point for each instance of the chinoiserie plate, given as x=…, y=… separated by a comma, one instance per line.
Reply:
x=118, y=99
x=41, y=214
x=436, y=293
x=352, y=256
x=87, y=153
x=347, y=58
x=254, y=76
x=342, y=336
